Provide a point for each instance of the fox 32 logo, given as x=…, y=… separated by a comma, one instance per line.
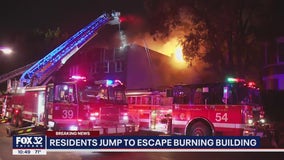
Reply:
x=28, y=142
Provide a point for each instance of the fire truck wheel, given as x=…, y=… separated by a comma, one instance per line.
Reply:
x=200, y=129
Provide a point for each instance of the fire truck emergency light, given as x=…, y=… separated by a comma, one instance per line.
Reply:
x=234, y=80
x=109, y=82
x=78, y=77
x=251, y=84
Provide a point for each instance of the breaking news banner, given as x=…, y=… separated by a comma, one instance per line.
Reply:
x=91, y=141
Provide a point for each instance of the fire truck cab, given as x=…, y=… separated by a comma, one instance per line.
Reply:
x=99, y=105
x=231, y=108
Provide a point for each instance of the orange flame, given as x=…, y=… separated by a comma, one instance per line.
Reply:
x=179, y=54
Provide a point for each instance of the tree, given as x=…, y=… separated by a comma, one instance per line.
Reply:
x=222, y=33
x=45, y=40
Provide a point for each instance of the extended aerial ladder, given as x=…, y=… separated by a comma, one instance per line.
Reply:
x=40, y=72
x=15, y=73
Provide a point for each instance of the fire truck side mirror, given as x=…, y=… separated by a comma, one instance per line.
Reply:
x=225, y=95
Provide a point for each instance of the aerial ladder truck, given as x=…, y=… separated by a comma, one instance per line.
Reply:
x=74, y=105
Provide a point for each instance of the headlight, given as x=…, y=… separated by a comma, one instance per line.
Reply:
x=125, y=118
x=250, y=121
x=92, y=118
x=262, y=120
x=73, y=128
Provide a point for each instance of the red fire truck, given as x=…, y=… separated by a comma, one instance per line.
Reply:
x=231, y=108
x=74, y=105
x=26, y=106
x=3, y=106
x=101, y=106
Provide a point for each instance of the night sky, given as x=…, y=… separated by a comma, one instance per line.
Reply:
x=19, y=20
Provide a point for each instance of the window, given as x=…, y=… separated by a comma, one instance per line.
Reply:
x=180, y=95
x=198, y=94
x=106, y=66
x=281, y=52
x=95, y=68
x=74, y=70
x=64, y=93
x=272, y=84
x=118, y=66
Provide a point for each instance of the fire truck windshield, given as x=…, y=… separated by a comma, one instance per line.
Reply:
x=240, y=93
x=99, y=93
x=65, y=93
x=216, y=93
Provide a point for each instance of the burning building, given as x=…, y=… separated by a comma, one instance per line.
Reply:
x=136, y=66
